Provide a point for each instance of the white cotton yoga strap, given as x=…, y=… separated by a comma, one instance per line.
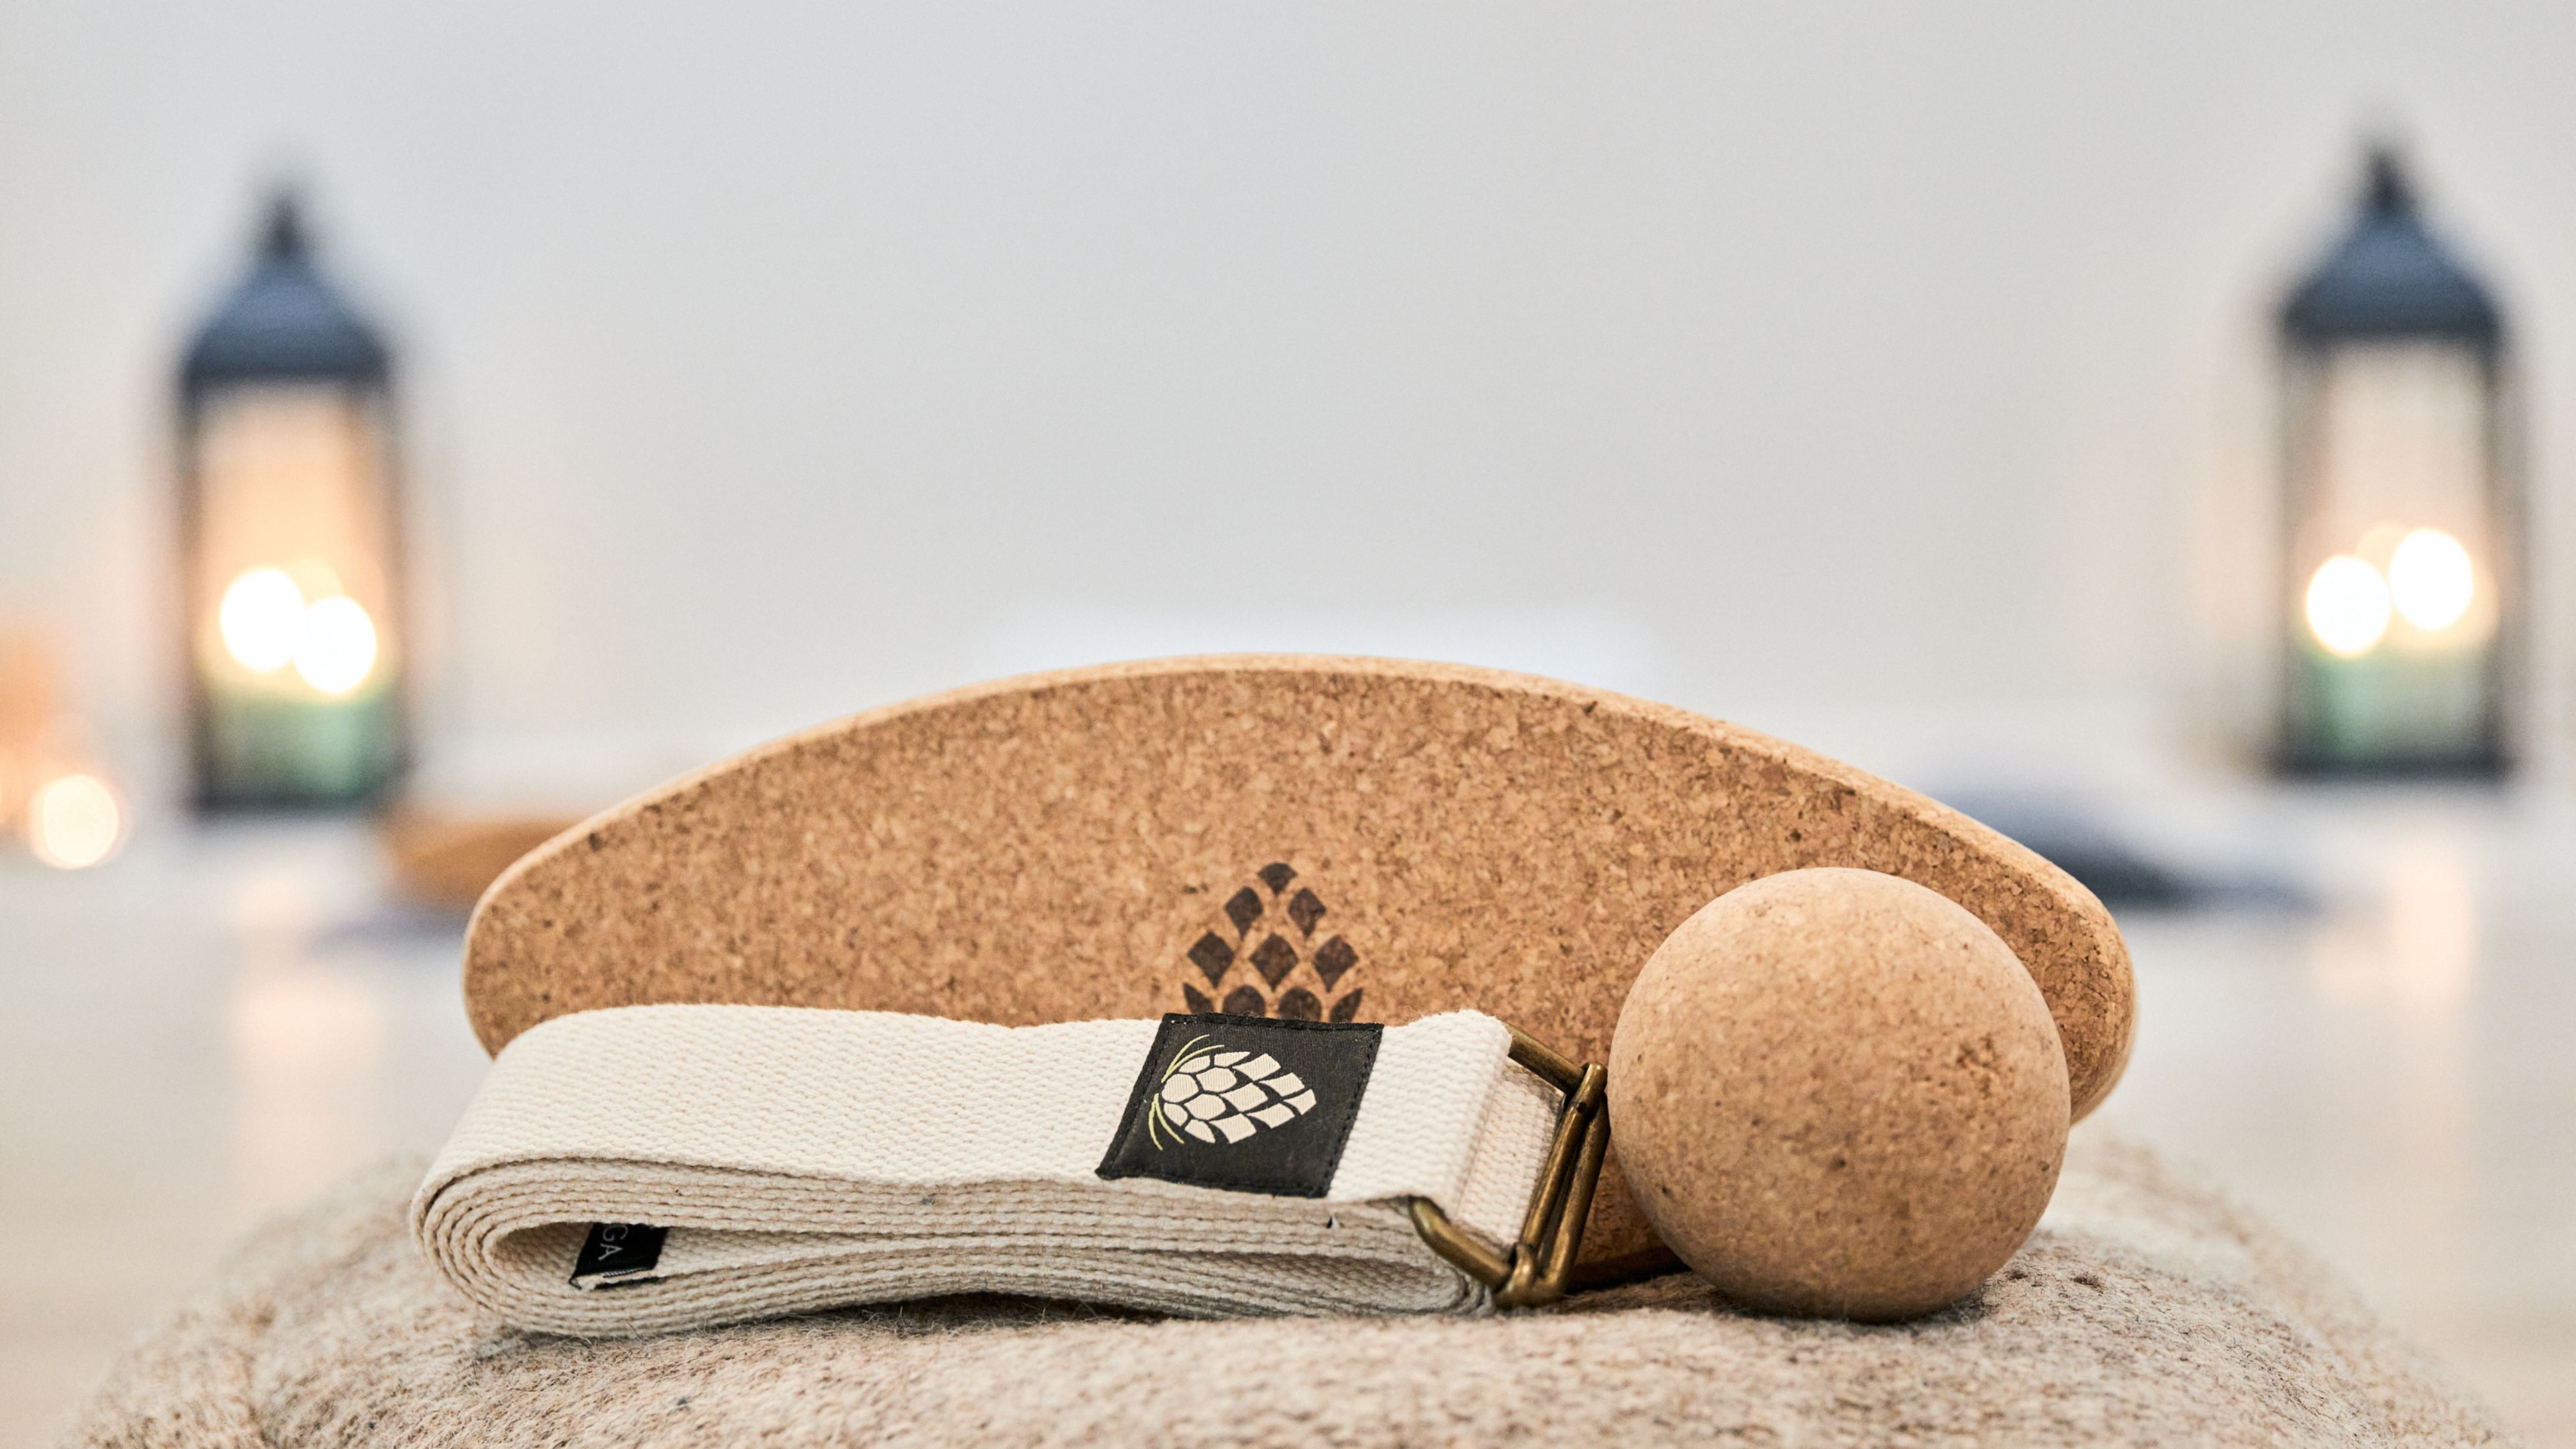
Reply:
x=801, y=1160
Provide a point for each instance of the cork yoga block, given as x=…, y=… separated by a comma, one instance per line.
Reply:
x=1351, y=839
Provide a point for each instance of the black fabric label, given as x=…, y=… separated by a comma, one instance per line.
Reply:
x=1245, y=1103
x=615, y=1252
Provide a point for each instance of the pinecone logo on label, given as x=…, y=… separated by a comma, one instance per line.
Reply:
x=1211, y=1093
x=1270, y=955
x=1245, y=1104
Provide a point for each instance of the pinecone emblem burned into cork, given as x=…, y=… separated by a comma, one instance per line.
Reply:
x=1272, y=954
x=1211, y=1093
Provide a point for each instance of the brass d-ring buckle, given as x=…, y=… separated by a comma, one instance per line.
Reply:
x=1552, y=1231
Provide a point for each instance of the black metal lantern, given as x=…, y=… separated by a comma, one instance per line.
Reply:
x=291, y=538
x=2402, y=512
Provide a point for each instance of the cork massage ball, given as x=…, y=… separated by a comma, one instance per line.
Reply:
x=1837, y=1094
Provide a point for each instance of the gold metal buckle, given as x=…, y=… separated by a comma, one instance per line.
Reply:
x=1552, y=1231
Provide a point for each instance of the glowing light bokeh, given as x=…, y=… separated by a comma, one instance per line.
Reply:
x=337, y=649
x=262, y=619
x=2347, y=606
x=2431, y=580
x=74, y=821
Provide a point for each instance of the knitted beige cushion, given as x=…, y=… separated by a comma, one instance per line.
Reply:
x=2145, y=1311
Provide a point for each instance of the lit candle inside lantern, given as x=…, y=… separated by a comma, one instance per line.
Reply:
x=293, y=539
x=2401, y=515
x=266, y=624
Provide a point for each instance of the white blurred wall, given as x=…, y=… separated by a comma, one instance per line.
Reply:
x=1820, y=366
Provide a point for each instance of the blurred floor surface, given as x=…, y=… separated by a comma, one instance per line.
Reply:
x=218, y=1024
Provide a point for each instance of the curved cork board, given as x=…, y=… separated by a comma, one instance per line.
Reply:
x=1353, y=838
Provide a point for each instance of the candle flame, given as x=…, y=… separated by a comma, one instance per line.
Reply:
x=2347, y=606
x=338, y=647
x=74, y=821
x=2431, y=580
x=262, y=619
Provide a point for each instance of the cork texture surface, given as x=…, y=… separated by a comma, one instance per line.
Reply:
x=1877, y=1170
x=1343, y=838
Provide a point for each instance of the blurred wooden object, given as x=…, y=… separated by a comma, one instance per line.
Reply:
x=28, y=700
x=445, y=860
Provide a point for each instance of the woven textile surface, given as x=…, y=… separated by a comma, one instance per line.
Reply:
x=2145, y=1311
x=814, y=1159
